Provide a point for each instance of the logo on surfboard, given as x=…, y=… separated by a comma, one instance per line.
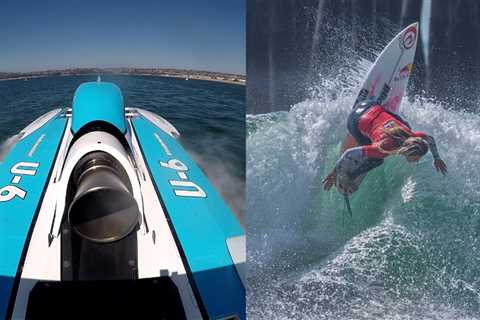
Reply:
x=409, y=37
x=404, y=72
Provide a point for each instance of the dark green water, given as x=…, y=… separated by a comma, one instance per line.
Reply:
x=209, y=116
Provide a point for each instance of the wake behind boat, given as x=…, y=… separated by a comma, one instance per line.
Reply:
x=103, y=213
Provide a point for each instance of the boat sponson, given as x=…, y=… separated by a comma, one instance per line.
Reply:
x=201, y=225
x=19, y=212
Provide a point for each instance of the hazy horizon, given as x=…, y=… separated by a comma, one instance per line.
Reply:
x=117, y=67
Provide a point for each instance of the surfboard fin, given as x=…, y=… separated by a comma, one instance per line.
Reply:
x=347, y=202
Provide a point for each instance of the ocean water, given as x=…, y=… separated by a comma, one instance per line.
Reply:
x=210, y=117
x=411, y=249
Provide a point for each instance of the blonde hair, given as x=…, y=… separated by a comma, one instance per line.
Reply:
x=406, y=144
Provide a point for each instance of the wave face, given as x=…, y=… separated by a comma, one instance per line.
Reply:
x=411, y=249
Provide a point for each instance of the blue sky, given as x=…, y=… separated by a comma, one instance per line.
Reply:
x=201, y=34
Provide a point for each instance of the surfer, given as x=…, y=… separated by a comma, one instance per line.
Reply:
x=374, y=134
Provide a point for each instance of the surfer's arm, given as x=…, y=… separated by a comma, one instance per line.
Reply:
x=432, y=146
x=438, y=163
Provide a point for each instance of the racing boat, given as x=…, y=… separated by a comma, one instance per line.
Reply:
x=104, y=214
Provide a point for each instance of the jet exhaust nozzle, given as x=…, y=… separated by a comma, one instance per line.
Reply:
x=103, y=209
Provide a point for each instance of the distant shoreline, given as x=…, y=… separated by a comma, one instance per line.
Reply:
x=154, y=72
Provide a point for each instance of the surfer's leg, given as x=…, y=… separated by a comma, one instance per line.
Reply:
x=366, y=166
x=349, y=142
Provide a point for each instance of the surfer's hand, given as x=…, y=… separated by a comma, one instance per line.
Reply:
x=440, y=166
x=329, y=181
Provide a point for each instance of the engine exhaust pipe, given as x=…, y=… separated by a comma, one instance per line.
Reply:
x=103, y=209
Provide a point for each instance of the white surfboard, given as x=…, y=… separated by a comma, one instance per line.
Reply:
x=387, y=79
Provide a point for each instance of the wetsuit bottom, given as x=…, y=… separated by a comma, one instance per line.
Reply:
x=353, y=120
x=352, y=126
